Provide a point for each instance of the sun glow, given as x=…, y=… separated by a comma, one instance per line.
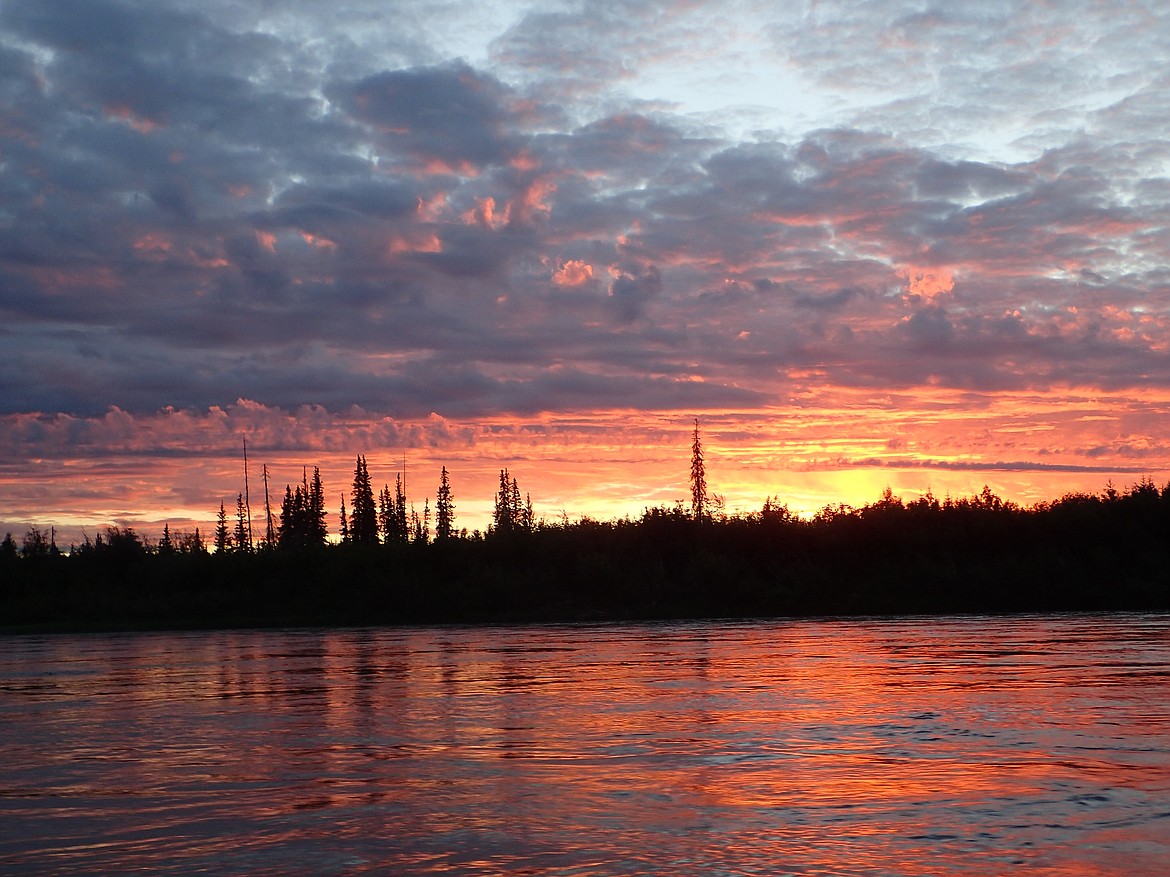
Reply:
x=847, y=448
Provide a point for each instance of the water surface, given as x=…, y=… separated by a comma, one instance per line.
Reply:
x=1036, y=745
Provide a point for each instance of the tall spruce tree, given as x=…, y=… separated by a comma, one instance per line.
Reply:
x=295, y=525
x=502, y=514
x=363, y=516
x=444, y=508
x=222, y=537
x=698, y=477
x=318, y=531
x=286, y=527
x=386, y=514
x=402, y=531
x=512, y=514
x=302, y=514
x=241, y=541
x=516, y=507
x=394, y=521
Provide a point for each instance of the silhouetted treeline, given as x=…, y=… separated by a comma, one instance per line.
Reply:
x=1108, y=551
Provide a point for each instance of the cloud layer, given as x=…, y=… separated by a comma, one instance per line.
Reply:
x=547, y=209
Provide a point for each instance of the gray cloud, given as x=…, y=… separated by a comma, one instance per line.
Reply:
x=449, y=114
x=200, y=203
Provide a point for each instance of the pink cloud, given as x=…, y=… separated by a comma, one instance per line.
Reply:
x=926, y=284
x=483, y=213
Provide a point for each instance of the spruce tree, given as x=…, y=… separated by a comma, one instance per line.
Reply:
x=318, y=531
x=402, y=533
x=444, y=508
x=512, y=514
x=698, y=477
x=363, y=517
x=516, y=507
x=222, y=539
x=386, y=514
x=287, y=531
x=241, y=535
x=502, y=514
x=420, y=525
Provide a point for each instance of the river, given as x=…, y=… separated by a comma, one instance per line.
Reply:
x=1037, y=745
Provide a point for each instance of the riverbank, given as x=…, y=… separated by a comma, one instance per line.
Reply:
x=664, y=566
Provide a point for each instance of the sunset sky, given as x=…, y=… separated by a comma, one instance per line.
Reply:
x=914, y=244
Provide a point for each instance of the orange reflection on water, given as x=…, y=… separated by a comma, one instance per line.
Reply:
x=962, y=746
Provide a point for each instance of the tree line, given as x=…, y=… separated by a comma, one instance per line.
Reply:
x=390, y=562
x=301, y=521
x=302, y=518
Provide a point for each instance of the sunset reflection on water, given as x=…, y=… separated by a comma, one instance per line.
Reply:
x=914, y=747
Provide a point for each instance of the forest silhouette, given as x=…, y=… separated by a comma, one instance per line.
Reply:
x=979, y=554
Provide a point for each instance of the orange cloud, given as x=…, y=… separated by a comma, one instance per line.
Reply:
x=318, y=241
x=417, y=243
x=927, y=284
x=483, y=213
x=441, y=167
x=573, y=273
x=532, y=201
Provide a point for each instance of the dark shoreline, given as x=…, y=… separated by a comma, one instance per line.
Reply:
x=896, y=560
x=561, y=575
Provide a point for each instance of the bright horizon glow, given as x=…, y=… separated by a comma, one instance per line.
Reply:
x=603, y=466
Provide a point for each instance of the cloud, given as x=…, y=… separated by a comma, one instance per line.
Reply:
x=448, y=119
x=573, y=273
x=997, y=466
x=632, y=288
x=927, y=284
x=542, y=209
x=193, y=433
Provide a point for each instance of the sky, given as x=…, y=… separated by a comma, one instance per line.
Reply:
x=900, y=243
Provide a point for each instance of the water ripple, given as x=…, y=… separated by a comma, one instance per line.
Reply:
x=965, y=746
